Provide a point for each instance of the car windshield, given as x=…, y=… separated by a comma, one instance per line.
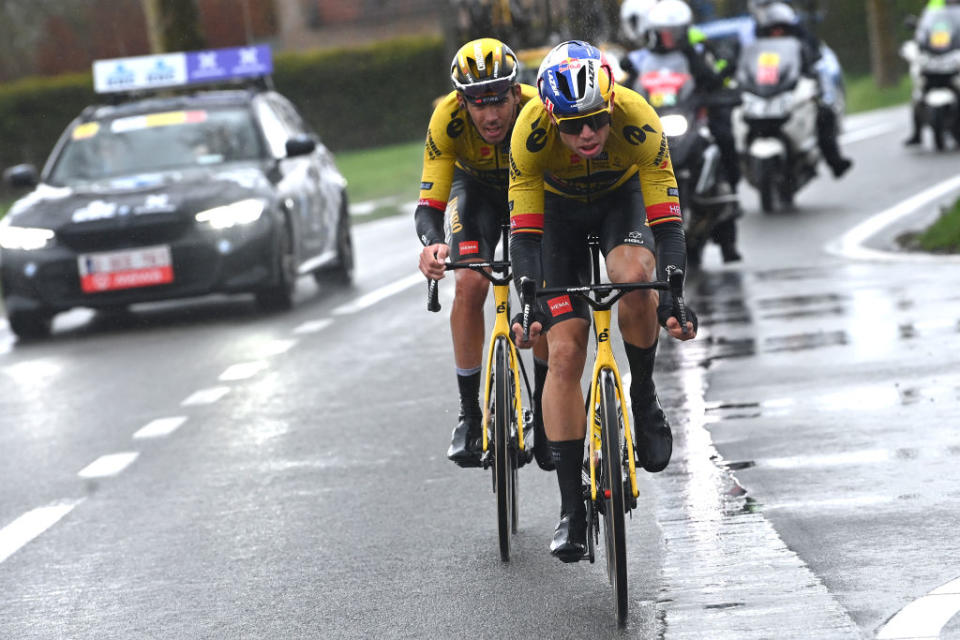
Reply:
x=153, y=142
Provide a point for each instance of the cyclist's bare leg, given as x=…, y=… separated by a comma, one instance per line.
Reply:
x=637, y=313
x=639, y=327
x=563, y=412
x=565, y=422
x=466, y=318
x=467, y=329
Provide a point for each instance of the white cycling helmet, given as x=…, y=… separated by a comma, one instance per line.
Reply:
x=668, y=24
x=633, y=19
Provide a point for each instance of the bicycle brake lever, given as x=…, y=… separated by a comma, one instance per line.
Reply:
x=527, y=299
x=675, y=279
x=433, y=298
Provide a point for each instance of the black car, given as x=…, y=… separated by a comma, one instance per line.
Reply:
x=156, y=198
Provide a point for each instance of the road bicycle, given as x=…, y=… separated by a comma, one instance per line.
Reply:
x=506, y=441
x=610, y=474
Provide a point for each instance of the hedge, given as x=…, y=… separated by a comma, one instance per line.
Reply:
x=355, y=98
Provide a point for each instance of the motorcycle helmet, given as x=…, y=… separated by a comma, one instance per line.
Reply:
x=483, y=70
x=575, y=80
x=776, y=19
x=633, y=19
x=669, y=25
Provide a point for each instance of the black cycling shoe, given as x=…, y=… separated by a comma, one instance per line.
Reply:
x=912, y=140
x=465, y=442
x=729, y=253
x=841, y=166
x=570, y=537
x=654, y=441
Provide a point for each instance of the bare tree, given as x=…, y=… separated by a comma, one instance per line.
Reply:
x=883, y=46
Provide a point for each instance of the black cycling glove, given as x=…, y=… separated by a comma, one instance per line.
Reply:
x=665, y=312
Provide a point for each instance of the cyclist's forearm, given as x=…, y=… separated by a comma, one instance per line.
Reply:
x=429, y=222
x=525, y=257
x=671, y=250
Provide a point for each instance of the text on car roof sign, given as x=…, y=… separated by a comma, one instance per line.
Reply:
x=141, y=73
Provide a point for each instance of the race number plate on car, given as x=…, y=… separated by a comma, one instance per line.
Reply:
x=114, y=270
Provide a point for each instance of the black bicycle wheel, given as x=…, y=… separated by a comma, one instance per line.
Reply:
x=502, y=455
x=611, y=492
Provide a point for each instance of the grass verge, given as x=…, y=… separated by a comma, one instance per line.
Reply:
x=943, y=236
x=392, y=171
x=863, y=94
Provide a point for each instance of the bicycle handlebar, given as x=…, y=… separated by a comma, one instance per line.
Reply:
x=433, y=297
x=674, y=284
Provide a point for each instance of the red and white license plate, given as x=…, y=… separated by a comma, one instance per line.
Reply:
x=112, y=270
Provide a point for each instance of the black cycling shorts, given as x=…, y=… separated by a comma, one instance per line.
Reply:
x=474, y=218
x=617, y=218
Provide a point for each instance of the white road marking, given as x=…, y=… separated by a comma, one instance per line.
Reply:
x=850, y=245
x=376, y=296
x=108, y=465
x=312, y=326
x=869, y=132
x=242, y=371
x=206, y=396
x=277, y=347
x=160, y=427
x=926, y=616
x=30, y=525
x=827, y=503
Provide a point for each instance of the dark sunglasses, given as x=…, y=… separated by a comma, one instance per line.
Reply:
x=574, y=126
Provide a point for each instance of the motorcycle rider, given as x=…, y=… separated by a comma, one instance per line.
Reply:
x=778, y=20
x=669, y=28
x=465, y=180
x=916, y=100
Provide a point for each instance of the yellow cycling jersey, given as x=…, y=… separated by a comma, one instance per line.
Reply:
x=453, y=141
x=635, y=150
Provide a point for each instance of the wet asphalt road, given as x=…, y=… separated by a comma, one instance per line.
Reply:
x=295, y=485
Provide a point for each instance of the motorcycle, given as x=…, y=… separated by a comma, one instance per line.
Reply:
x=934, y=58
x=664, y=79
x=776, y=124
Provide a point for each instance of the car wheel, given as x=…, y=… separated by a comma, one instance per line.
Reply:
x=341, y=274
x=279, y=296
x=30, y=325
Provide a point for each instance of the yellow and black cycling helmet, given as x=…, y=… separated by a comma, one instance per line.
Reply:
x=484, y=70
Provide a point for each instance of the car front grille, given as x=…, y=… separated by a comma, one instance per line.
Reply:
x=123, y=232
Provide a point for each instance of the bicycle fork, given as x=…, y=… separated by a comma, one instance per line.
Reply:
x=605, y=361
x=501, y=329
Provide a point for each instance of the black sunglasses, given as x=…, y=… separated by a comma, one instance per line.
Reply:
x=574, y=126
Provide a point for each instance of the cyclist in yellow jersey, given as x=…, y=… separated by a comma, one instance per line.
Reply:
x=587, y=159
x=463, y=203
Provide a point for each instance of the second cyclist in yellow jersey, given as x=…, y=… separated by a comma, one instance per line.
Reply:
x=463, y=205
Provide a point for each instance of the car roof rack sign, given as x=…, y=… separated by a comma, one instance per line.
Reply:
x=143, y=74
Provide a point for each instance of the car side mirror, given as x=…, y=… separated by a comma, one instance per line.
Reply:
x=23, y=176
x=300, y=146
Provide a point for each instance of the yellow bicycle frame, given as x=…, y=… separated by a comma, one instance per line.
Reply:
x=604, y=360
x=501, y=327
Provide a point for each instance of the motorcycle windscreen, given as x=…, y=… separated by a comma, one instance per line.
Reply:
x=665, y=80
x=939, y=30
x=770, y=66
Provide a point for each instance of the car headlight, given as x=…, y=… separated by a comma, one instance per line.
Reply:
x=231, y=215
x=674, y=125
x=25, y=238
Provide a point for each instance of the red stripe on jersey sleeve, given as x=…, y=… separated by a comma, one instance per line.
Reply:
x=663, y=212
x=439, y=205
x=526, y=223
